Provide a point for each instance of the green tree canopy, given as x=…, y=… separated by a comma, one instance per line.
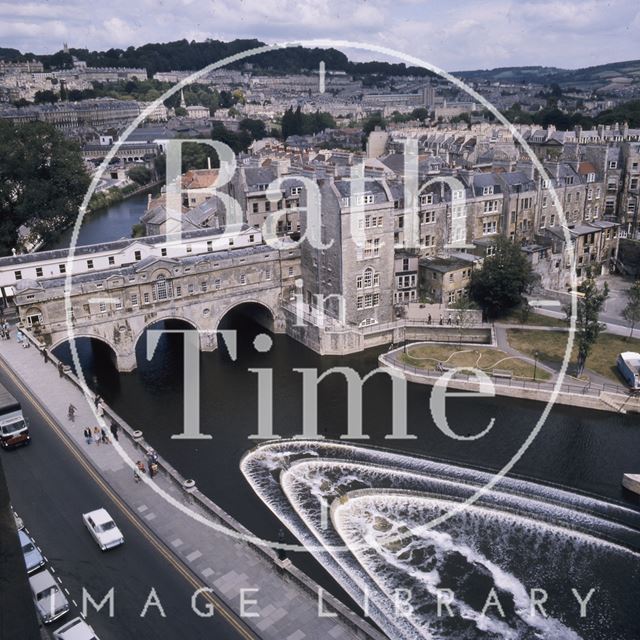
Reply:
x=43, y=181
x=590, y=303
x=504, y=277
x=631, y=312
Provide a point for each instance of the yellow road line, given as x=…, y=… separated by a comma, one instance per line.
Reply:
x=226, y=612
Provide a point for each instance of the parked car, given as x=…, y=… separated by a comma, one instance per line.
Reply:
x=103, y=529
x=32, y=557
x=76, y=629
x=50, y=601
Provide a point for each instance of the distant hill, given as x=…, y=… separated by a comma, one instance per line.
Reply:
x=614, y=74
x=184, y=55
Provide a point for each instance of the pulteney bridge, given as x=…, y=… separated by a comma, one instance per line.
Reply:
x=116, y=305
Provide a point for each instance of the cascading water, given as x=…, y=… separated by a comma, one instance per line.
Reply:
x=365, y=514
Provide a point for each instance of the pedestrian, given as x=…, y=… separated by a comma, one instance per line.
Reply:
x=96, y=400
x=140, y=466
x=429, y=319
x=440, y=319
x=45, y=355
x=97, y=436
x=19, y=337
x=71, y=413
x=88, y=435
x=448, y=319
x=104, y=438
x=60, y=369
x=114, y=431
x=136, y=476
x=100, y=409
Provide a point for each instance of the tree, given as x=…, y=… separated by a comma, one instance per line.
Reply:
x=588, y=326
x=631, y=313
x=503, y=279
x=43, y=181
x=140, y=174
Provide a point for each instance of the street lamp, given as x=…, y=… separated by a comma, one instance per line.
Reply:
x=535, y=363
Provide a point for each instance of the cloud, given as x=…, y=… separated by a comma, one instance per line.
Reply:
x=462, y=35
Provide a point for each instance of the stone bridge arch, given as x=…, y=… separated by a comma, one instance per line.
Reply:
x=61, y=339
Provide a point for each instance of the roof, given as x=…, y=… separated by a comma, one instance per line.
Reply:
x=100, y=516
x=444, y=265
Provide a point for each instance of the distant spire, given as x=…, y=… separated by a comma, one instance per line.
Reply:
x=183, y=104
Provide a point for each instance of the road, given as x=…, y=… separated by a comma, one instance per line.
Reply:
x=50, y=490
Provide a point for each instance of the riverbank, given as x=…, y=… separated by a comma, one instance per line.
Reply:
x=103, y=199
x=588, y=395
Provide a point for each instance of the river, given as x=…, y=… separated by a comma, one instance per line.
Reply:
x=584, y=451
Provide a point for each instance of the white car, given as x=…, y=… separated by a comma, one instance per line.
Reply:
x=50, y=601
x=76, y=629
x=103, y=529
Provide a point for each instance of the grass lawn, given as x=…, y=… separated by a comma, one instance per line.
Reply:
x=534, y=319
x=486, y=358
x=552, y=345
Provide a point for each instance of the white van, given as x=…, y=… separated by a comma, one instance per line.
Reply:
x=50, y=601
x=76, y=629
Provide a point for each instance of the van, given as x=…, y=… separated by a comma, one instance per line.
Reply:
x=50, y=601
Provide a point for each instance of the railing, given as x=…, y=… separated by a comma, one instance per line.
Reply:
x=587, y=389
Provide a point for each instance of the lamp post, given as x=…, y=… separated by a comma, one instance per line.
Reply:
x=535, y=363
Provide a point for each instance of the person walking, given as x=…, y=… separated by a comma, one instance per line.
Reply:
x=19, y=337
x=88, y=436
x=71, y=413
x=114, y=431
x=97, y=400
x=97, y=436
x=104, y=438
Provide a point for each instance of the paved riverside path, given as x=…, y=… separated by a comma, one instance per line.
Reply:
x=286, y=609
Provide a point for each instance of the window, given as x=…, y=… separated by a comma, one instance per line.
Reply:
x=359, y=281
x=163, y=252
x=217, y=283
x=368, y=277
x=63, y=268
x=231, y=242
x=290, y=271
x=243, y=279
x=252, y=238
x=429, y=217
x=112, y=260
x=613, y=164
x=89, y=264
x=491, y=206
x=365, y=199
x=119, y=303
x=191, y=289
x=426, y=198
x=178, y=290
x=17, y=275
x=457, y=194
x=255, y=207
x=591, y=177
x=267, y=273
x=267, y=206
x=487, y=191
x=161, y=289
x=295, y=191
x=102, y=307
x=545, y=184
x=145, y=298
x=134, y=299
x=38, y=272
x=544, y=201
x=489, y=227
x=203, y=287
x=137, y=255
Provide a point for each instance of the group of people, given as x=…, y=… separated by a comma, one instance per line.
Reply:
x=98, y=435
x=5, y=332
x=152, y=462
x=430, y=320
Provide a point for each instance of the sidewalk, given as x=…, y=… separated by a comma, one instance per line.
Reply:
x=288, y=600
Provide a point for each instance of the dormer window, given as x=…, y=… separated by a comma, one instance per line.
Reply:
x=591, y=177
x=545, y=184
x=457, y=194
x=365, y=199
x=426, y=198
x=487, y=191
x=613, y=164
x=295, y=191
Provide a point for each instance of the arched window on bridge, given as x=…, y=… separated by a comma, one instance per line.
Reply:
x=162, y=289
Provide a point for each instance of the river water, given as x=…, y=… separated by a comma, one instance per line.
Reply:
x=581, y=450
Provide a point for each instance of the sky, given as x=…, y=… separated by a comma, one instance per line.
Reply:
x=451, y=34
